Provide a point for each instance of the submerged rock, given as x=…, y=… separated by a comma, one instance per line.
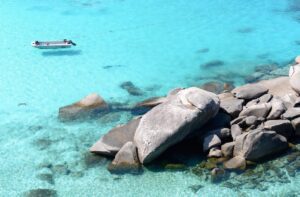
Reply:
x=249, y=91
x=131, y=88
x=171, y=121
x=213, y=63
x=258, y=144
x=236, y=162
x=151, y=102
x=217, y=87
x=126, y=160
x=112, y=142
x=41, y=193
x=89, y=106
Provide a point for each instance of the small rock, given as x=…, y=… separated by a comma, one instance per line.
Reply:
x=48, y=177
x=260, y=110
x=230, y=104
x=282, y=127
x=211, y=141
x=214, y=63
x=217, y=174
x=237, y=162
x=227, y=149
x=215, y=152
x=126, y=160
x=235, y=131
x=251, y=120
x=222, y=133
x=87, y=107
x=291, y=113
x=152, y=102
x=249, y=91
x=277, y=109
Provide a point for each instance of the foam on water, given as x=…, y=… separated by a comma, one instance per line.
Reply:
x=157, y=45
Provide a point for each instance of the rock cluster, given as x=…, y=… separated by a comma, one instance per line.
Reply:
x=248, y=124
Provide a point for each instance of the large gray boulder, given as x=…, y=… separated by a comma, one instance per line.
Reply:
x=230, y=104
x=260, y=110
x=249, y=91
x=86, y=107
x=282, y=127
x=111, y=143
x=258, y=144
x=126, y=160
x=171, y=121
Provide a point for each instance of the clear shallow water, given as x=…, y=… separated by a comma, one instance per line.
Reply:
x=158, y=45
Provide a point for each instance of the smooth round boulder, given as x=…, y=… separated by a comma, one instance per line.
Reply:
x=249, y=91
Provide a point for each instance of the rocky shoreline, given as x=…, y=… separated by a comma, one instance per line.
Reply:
x=235, y=129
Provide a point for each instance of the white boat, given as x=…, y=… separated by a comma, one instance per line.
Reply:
x=53, y=44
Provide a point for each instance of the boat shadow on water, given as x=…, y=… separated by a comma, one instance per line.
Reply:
x=61, y=53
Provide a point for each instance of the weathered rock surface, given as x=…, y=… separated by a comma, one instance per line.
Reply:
x=258, y=144
x=277, y=109
x=282, y=127
x=278, y=87
x=227, y=149
x=126, y=160
x=260, y=110
x=86, y=107
x=249, y=91
x=112, y=142
x=171, y=121
x=211, y=141
x=230, y=104
x=291, y=113
x=237, y=162
x=235, y=131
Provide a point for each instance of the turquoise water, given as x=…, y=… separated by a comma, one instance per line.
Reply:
x=157, y=44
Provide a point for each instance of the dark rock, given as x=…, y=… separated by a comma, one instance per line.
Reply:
x=235, y=131
x=291, y=113
x=61, y=169
x=175, y=166
x=204, y=50
x=296, y=125
x=172, y=121
x=260, y=110
x=282, y=127
x=87, y=107
x=245, y=30
x=227, y=149
x=92, y=160
x=131, y=88
x=236, y=162
x=266, y=68
x=258, y=144
x=112, y=142
x=222, y=133
x=211, y=141
x=195, y=188
x=230, y=104
x=214, y=63
x=41, y=193
x=249, y=91
x=217, y=174
x=221, y=120
x=126, y=160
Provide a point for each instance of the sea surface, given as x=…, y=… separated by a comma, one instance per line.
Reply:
x=155, y=44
